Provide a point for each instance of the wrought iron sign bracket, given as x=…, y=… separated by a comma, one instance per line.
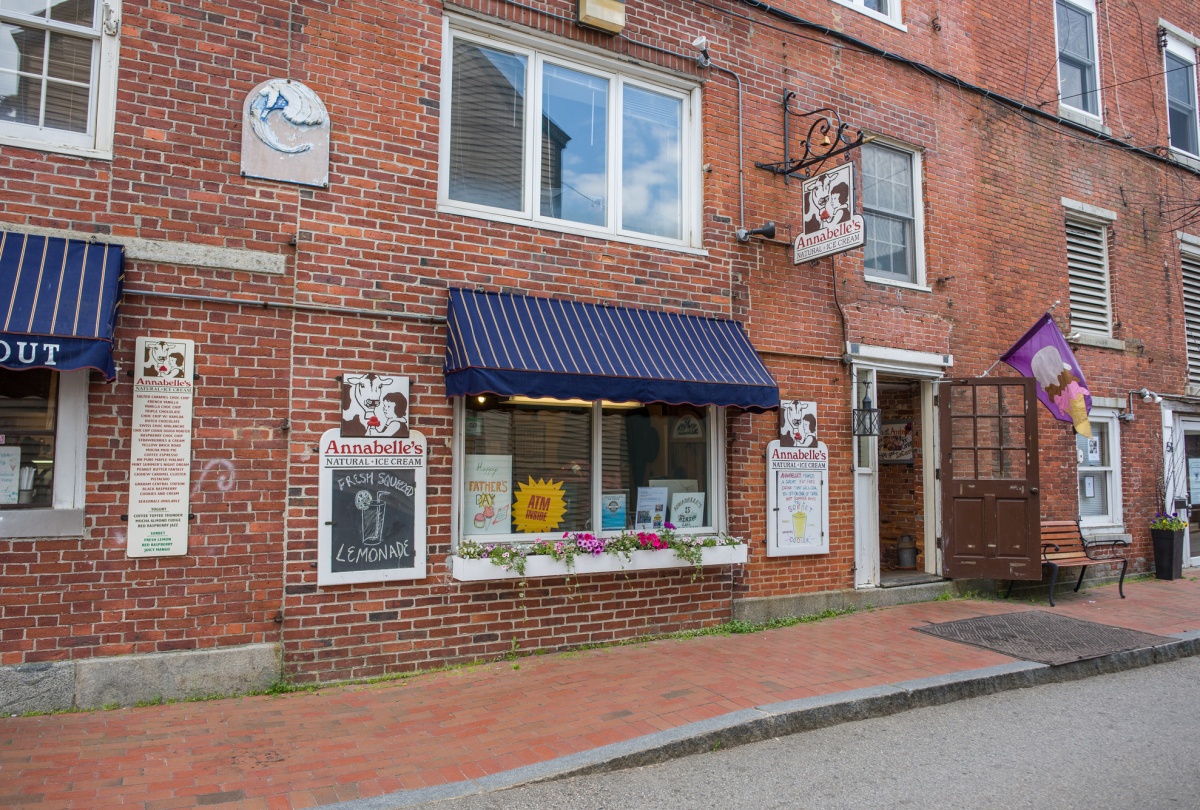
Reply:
x=827, y=137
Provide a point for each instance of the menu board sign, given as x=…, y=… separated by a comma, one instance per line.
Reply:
x=160, y=462
x=797, y=500
x=371, y=509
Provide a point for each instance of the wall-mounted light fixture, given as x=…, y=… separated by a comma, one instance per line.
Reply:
x=1148, y=396
x=866, y=418
x=767, y=231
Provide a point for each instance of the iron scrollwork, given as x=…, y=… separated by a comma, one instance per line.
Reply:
x=827, y=137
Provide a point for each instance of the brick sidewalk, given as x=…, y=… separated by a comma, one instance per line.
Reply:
x=306, y=750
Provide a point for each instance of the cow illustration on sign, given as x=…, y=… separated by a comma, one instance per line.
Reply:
x=374, y=406
x=797, y=423
x=828, y=202
x=163, y=359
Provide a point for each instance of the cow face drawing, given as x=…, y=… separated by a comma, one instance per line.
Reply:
x=374, y=406
x=797, y=423
x=163, y=359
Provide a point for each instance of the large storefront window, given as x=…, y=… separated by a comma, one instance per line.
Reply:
x=28, y=428
x=543, y=467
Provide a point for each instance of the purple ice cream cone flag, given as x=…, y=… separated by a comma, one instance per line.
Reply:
x=1043, y=353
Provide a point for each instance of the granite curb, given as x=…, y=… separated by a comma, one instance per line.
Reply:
x=790, y=717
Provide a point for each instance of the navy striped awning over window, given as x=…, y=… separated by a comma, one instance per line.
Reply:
x=58, y=302
x=520, y=345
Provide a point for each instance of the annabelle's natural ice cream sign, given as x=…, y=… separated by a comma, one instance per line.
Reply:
x=830, y=224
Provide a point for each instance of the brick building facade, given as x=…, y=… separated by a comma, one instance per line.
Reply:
x=997, y=157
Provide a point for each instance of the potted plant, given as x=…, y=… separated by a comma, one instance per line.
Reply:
x=1166, y=530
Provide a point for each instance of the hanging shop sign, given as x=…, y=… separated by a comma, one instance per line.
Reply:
x=285, y=134
x=797, y=484
x=161, y=447
x=371, y=508
x=830, y=224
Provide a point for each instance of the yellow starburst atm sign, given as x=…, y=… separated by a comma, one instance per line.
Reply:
x=539, y=506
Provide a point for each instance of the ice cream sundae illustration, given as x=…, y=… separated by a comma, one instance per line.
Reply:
x=1063, y=387
x=486, y=502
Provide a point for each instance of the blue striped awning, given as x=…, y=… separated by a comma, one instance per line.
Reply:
x=58, y=302
x=520, y=345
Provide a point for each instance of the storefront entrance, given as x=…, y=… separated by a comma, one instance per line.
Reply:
x=1191, y=451
x=895, y=489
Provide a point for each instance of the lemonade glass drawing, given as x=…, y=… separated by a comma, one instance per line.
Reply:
x=799, y=522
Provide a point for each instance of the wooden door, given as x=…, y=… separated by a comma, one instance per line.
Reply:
x=991, y=513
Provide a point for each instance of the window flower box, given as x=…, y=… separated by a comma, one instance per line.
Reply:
x=477, y=570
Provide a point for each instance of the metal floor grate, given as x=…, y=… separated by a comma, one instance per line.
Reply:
x=1037, y=635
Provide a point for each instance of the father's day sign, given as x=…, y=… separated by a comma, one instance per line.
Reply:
x=371, y=508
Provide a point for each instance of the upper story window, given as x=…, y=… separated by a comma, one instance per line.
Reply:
x=891, y=213
x=536, y=133
x=1180, y=65
x=1087, y=269
x=887, y=11
x=1078, y=76
x=58, y=62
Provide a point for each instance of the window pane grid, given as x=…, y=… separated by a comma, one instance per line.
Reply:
x=1076, y=58
x=888, y=213
x=1181, y=103
x=47, y=73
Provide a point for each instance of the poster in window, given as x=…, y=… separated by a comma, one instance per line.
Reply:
x=797, y=499
x=687, y=510
x=371, y=509
x=896, y=442
x=10, y=474
x=1093, y=449
x=487, y=494
x=651, y=508
x=612, y=518
x=1089, y=486
x=1193, y=465
x=688, y=428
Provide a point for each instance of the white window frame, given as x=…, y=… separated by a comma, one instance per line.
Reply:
x=97, y=142
x=716, y=477
x=894, y=17
x=575, y=57
x=1066, y=109
x=1186, y=50
x=917, y=169
x=1115, y=518
x=1090, y=216
x=65, y=517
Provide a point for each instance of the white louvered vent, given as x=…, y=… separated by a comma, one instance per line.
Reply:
x=1087, y=266
x=1191, y=314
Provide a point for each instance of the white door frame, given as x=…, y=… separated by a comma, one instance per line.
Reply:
x=1176, y=426
x=926, y=368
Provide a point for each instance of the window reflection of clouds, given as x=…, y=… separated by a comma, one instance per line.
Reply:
x=651, y=191
x=575, y=146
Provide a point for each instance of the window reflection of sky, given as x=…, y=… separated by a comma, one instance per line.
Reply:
x=651, y=191
x=575, y=105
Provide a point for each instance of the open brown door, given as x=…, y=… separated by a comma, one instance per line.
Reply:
x=989, y=472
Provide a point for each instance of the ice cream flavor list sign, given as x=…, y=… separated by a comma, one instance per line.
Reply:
x=371, y=508
x=797, y=500
x=161, y=447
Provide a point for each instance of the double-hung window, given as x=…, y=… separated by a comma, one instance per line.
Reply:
x=1088, y=270
x=1078, y=76
x=1180, y=65
x=1099, y=466
x=542, y=467
x=536, y=133
x=891, y=214
x=58, y=64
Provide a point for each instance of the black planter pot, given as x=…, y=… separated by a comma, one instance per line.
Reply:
x=1168, y=553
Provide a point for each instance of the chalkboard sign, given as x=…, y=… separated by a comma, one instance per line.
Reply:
x=797, y=499
x=371, y=509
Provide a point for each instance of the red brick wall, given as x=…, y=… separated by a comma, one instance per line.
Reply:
x=374, y=242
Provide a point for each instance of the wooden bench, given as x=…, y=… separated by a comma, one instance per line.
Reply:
x=1063, y=546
